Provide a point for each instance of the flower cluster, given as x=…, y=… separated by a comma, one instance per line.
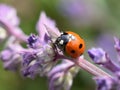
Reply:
x=102, y=58
x=10, y=55
x=9, y=23
x=40, y=57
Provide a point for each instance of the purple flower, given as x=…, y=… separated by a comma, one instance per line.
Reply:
x=34, y=41
x=100, y=57
x=61, y=76
x=43, y=26
x=9, y=29
x=104, y=83
x=41, y=55
x=97, y=55
x=10, y=55
x=9, y=14
x=9, y=23
x=41, y=58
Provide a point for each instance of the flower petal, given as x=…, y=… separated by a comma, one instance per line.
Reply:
x=104, y=83
x=9, y=14
x=97, y=55
x=61, y=76
x=46, y=26
x=101, y=57
x=10, y=56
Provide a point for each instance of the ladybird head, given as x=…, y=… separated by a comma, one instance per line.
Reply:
x=62, y=40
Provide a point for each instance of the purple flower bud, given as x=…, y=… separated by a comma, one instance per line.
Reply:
x=104, y=83
x=28, y=57
x=61, y=76
x=10, y=22
x=97, y=55
x=101, y=57
x=10, y=56
x=41, y=59
x=9, y=14
x=32, y=70
x=59, y=68
x=33, y=41
x=45, y=23
x=117, y=74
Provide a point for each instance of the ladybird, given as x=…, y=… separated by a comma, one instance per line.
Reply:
x=71, y=44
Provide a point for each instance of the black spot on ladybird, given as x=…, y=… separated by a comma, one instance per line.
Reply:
x=80, y=46
x=72, y=51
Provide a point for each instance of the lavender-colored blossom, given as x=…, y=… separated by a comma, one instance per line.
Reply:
x=41, y=26
x=10, y=55
x=99, y=56
x=9, y=14
x=41, y=59
x=9, y=29
x=61, y=76
x=10, y=22
x=104, y=83
x=34, y=41
x=41, y=55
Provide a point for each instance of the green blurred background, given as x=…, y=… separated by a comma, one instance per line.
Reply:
x=29, y=11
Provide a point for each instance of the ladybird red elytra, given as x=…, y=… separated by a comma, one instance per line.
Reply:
x=71, y=44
